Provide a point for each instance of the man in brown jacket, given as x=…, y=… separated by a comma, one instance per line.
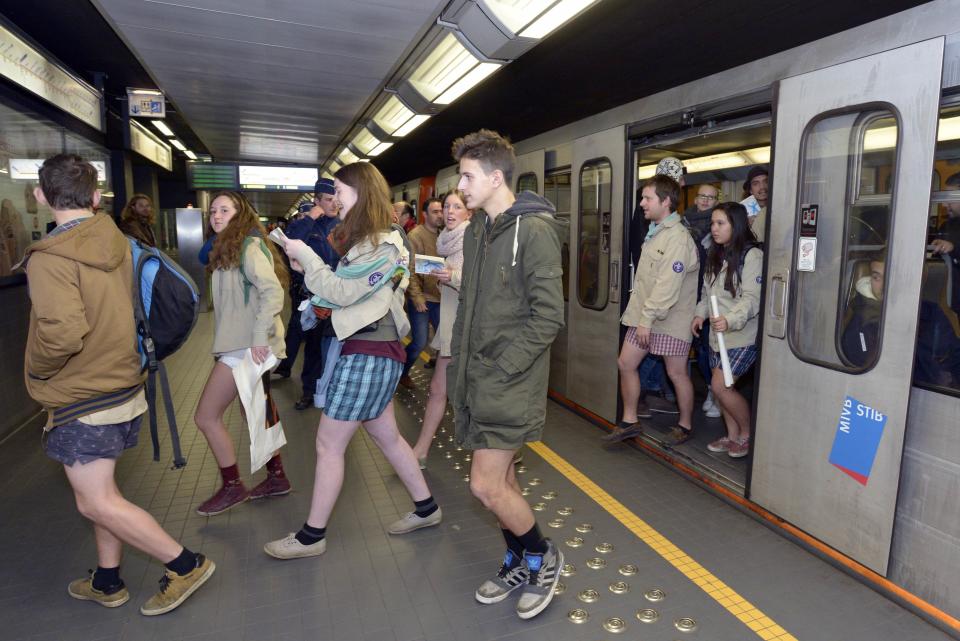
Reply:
x=82, y=365
x=423, y=295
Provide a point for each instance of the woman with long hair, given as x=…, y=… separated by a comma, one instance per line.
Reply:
x=456, y=219
x=249, y=278
x=366, y=296
x=734, y=275
x=136, y=219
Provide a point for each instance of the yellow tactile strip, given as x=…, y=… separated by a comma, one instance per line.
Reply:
x=765, y=627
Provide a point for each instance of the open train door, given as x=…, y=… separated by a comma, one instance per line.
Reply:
x=596, y=233
x=853, y=162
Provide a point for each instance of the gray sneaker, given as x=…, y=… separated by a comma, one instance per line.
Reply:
x=411, y=522
x=290, y=548
x=544, y=574
x=506, y=581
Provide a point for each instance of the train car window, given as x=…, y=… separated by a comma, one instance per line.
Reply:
x=937, y=358
x=527, y=182
x=848, y=169
x=593, y=245
x=556, y=189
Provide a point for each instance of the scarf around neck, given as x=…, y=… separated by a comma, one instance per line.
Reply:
x=656, y=227
x=450, y=241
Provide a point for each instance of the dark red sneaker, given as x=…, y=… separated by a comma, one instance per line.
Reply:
x=270, y=486
x=225, y=498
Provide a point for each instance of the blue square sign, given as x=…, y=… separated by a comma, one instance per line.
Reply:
x=858, y=438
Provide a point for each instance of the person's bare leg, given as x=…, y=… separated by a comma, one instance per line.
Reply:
x=333, y=436
x=490, y=481
x=383, y=430
x=218, y=394
x=115, y=518
x=682, y=387
x=436, y=405
x=733, y=403
x=717, y=387
x=629, y=360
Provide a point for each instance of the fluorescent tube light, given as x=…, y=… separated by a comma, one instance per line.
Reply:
x=347, y=157
x=190, y=154
x=467, y=83
x=176, y=143
x=163, y=128
x=556, y=16
x=365, y=141
x=448, y=62
x=411, y=124
x=379, y=149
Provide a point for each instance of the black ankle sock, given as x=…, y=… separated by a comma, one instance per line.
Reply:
x=183, y=564
x=107, y=580
x=426, y=507
x=310, y=535
x=533, y=541
x=514, y=545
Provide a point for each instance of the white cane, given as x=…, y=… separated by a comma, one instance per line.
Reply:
x=724, y=357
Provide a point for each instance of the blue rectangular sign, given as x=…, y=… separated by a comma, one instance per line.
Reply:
x=858, y=438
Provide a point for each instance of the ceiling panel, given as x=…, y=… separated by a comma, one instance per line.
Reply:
x=262, y=80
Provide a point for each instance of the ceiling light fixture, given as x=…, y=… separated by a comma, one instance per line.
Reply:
x=176, y=143
x=163, y=128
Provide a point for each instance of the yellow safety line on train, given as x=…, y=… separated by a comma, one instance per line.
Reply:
x=765, y=627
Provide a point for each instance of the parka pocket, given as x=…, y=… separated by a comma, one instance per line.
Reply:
x=496, y=397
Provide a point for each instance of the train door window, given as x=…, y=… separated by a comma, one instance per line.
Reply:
x=848, y=169
x=556, y=189
x=593, y=245
x=937, y=361
x=527, y=182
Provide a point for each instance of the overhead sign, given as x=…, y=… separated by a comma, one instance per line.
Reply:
x=28, y=67
x=146, y=103
x=29, y=169
x=274, y=178
x=212, y=176
x=145, y=143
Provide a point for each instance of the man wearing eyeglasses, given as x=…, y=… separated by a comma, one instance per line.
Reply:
x=697, y=216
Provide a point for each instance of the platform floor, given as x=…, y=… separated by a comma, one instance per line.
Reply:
x=734, y=577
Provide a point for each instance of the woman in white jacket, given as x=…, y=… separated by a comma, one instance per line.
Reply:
x=366, y=296
x=734, y=275
x=456, y=219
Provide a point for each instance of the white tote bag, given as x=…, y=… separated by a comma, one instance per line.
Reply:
x=264, y=439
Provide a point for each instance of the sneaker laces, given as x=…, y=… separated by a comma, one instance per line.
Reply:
x=508, y=565
x=534, y=564
x=165, y=581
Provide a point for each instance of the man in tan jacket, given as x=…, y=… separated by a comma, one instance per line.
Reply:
x=660, y=309
x=423, y=295
x=82, y=366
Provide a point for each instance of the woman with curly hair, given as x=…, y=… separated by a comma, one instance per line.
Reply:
x=249, y=278
x=136, y=219
x=366, y=296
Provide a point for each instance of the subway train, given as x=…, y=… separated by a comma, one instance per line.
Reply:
x=857, y=458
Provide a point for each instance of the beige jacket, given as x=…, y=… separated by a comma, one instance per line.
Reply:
x=742, y=312
x=357, y=306
x=665, y=287
x=239, y=324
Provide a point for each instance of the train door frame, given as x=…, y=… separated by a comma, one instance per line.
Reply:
x=592, y=376
x=792, y=475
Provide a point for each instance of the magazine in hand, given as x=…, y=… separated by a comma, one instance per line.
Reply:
x=425, y=264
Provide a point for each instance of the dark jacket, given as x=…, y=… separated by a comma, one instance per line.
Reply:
x=314, y=233
x=140, y=229
x=511, y=309
x=862, y=332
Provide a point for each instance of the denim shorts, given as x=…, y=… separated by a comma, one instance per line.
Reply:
x=76, y=441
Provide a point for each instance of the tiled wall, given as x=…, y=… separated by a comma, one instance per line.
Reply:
x=14, y=316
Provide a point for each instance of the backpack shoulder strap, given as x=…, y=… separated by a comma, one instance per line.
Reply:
x=243, y=250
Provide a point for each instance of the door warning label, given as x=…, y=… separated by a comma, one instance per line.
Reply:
x=858, y=438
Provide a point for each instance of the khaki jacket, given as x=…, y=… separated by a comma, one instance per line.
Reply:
x=664, y=293
x=248, y=315
x=359, y=303
x=82, y=341
x=743, y=311
x=423, y=288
